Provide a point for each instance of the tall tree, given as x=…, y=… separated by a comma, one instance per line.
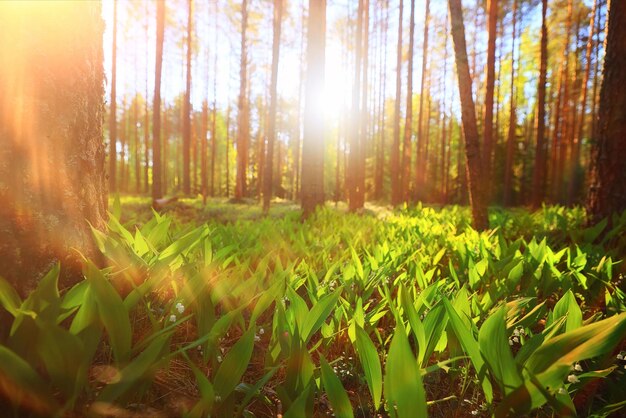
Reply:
x=607, y=191
x=541, y=151
x=510, y=145
x=113, y=110
x=314, y=126
x=364, y=113
x=420, y=160
x=187, y=107
x=271, y=134
x=408, y=125
x=146, y=110
x=492, y=18
x=243, y=123
x=157, y=192
x=575, y=163
x=468, y=114
x=396, y=187
x=353, y=173
x=380, y=155
x=52, y=157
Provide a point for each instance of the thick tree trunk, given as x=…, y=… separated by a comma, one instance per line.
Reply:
x=468, y=113
x=271, y=134
x=243, y=124
x=52, y=154
x=396, y=187
x=607, y=191
x=157, y=192
x=408, y=125
x=541, y=151
x=314, y=126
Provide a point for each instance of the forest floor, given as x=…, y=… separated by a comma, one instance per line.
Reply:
x=217, y=309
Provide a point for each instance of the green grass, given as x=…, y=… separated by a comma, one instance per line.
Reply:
x=217, y=310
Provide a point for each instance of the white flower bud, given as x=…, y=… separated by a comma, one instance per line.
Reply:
x=172, y=318
x=572, y=378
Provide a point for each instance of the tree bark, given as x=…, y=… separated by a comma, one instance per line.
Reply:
x=468, y=113
x=314, y=126
x=52, y=154
x=607, y=191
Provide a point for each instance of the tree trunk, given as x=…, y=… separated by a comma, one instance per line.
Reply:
x=408, y=125
x=420, y=160
x=146, y=111
x=243, y=124
x=487, y=150
x=227, y=151
x=314, y=126
x=271, y=134
x=380, y=154
x=52, y=157
x=510, y=146
x=156, y=105
x=187, y=108
x=541, y=151
x=355, y=119
x=575, y=182
x=396, y=187
x=468, y=113
x=203, y=151
x=607, y=192
x=364, y=113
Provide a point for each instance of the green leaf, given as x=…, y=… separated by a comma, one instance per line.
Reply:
x=318, y=314
x=9, y=299
x=113, y=313
x=567, y=306
x=403, y=382
x=470, y=346
x=368, y=355
x=495, y=349
x=335, y=391
x=234, y=365
x=138, y=371
x=23, y=385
